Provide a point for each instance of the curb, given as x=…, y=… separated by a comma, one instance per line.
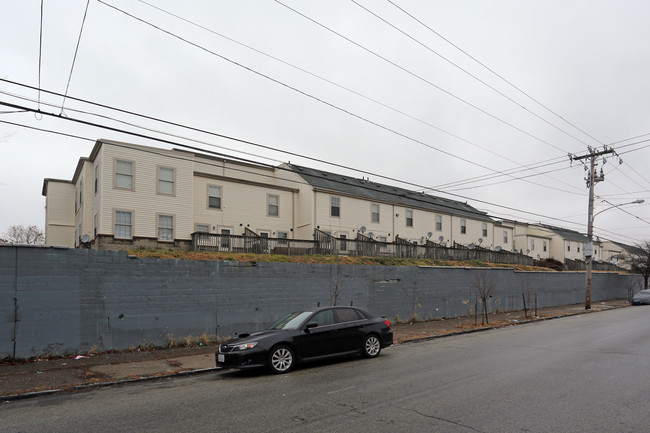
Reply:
x=524, y=322
x=13, y=397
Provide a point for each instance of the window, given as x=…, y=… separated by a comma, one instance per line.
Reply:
x=95, y=225
x=463, y=226
x=335, y=206
x=505, y=236
x=346, y=315
x=382, y=239
x=165, y=228
x=438, y=223
x=273, y=205
x=578, y=248
x=123, y=225
x=81, y=192
x=323, y=318
x=214, y=197
x=166, y=180
x=374, y=213
x=124, y=174
x=544, y=246
x=409, y=218
x=532, y=244
x=283, y=236
x=203, y=228
x=484, y=229
x=96, y=178
x=568, y=247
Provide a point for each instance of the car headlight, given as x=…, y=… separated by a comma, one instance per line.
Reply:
x=245, y=346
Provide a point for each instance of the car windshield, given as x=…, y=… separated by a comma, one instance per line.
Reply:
x=291, y=321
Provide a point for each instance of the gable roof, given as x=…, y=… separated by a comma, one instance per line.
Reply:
x=375, y=191
x=567, y=234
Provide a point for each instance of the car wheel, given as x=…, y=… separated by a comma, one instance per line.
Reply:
x=281, y=359
x=371, y=346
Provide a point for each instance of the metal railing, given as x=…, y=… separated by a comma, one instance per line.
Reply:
x=362, y=246
x=580, y=265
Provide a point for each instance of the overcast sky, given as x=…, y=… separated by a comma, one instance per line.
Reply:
x=479, y=101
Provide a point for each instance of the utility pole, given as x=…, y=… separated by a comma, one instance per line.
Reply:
x=591, y=179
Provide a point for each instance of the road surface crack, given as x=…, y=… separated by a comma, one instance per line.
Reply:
x=446, y=420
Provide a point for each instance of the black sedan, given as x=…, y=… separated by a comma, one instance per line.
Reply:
x=308, y=335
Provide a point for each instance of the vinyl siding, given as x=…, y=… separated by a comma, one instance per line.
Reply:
x=144, y=200
x=59, y=214
x=242, y=205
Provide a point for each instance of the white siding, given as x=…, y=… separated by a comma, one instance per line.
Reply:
x=144, y=200
x=242, y=205
x=59, y=214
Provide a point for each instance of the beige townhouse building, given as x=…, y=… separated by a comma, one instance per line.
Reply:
x=543, y=241
x=344, y=206
x=126, y=195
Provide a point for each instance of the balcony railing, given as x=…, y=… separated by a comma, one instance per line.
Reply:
x=326, y=244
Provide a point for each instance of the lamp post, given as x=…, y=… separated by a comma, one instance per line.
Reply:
x=589, y=249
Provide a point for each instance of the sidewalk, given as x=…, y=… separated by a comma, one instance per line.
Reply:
x=86, y=372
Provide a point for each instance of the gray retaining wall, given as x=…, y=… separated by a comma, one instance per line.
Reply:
x=58, y=301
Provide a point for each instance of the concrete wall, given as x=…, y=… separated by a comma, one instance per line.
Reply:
x=57, y=301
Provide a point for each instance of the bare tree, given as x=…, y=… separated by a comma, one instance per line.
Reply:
x=638, y=257
x=631, y=285
x=20, y=234
x=484, y=283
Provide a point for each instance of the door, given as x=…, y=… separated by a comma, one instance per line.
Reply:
x=320, y=340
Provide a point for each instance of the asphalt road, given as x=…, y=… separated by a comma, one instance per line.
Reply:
x=584, y=373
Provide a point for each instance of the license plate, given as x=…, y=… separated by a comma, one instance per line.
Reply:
x=221, y=358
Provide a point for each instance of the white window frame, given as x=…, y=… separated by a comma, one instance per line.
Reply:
x=485, y=229
x=97, y=178
x=220, y=197
x=162, y=181
x=505, y=236
x=337, y=207
x=463, y=226
x=198, y=226
x=438, y=223
x=116, y=174
x=409, y=217
x=116, y=223
x=160, y=229
x=532, y=244
x=270, y=205
x=374, y=213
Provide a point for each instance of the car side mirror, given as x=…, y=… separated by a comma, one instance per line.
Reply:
x=310, y=325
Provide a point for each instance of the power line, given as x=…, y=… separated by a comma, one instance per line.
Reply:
x=330, y=82
x=393, y=131
x=419, y=77
x=494, y=72
x=228, y=137
x=74, y=59
x=494, y=89
x=161, y=140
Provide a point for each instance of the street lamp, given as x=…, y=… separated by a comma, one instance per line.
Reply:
x=589, y=248
x=638, y=201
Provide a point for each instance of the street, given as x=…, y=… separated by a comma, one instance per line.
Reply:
x=577, y=374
